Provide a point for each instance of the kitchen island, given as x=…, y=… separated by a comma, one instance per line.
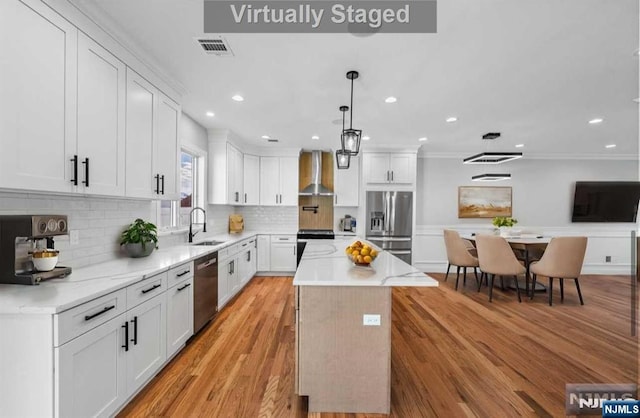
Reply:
x=343, y=327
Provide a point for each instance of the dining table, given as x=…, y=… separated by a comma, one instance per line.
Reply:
x=529, y=247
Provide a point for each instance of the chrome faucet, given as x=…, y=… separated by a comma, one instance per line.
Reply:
x=191, y=223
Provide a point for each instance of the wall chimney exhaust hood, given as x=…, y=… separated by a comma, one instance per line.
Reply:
x=315, y=188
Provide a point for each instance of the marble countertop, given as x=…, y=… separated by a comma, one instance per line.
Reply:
x=87, y=283
x=324, y=263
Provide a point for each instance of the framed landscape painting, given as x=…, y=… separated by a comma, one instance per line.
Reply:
x=483, y=201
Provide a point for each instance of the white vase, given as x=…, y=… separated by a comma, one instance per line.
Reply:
x=505, y=231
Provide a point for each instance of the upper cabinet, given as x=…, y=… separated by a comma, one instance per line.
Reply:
x=251, y=180
x=389, y=168
x=151, y=141
x=346, y=184
x=226, y=172
x=38, y=93
x=279, y=181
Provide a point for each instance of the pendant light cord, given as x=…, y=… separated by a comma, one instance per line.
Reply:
x=351, y=114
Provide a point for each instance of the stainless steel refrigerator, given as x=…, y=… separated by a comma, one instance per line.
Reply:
x=389, y=222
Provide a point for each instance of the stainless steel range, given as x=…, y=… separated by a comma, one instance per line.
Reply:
x=20, y=236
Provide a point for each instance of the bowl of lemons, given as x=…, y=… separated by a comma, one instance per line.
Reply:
x=361, y=253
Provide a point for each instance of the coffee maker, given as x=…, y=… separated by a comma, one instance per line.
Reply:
x=20, y=235
x=347, y=224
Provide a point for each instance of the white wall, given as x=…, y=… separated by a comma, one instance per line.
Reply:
x=542, y=202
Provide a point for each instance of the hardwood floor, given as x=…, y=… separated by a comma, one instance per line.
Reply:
x=454, y=354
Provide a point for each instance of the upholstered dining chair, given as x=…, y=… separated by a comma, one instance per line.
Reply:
x=496, y=258
x=459, y=255
x=562, y=259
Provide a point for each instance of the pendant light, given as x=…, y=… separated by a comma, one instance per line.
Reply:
x=351, y=137
x=343, y=158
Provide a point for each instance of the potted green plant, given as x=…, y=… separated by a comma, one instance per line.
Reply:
x=139, y=239
x=504, y=224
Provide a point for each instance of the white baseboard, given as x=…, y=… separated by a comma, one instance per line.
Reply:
x=591, y=268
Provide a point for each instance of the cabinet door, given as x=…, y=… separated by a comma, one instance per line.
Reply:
x=147, y=341
x=179, y=315
x=283, y=257
x=38, y=86
x=402, y=167
x=376, y=168
x=90, y=372
x=253, y=265
x=269, y=181
x=234, y=175
x=141, y=126
x=263, y=263
x=234, y=277
x=251, y=180
x=289, y=181
x=101, y=119
x=166, y=148
x=347, y=184
x=224, y=271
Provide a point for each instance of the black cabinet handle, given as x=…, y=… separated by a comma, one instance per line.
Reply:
x=154, y=287
x=126, y=336
x=162, y=179
x=74, y=160
x=248, y=256
x=157, y=190
x=105, y=310
x=86, y=172
x=229, y=268
x=391, y=175
x=245, y=198
x=180, y=289
x=134, y=340
x=183, y=273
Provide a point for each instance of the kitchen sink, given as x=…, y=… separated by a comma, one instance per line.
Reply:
x=210, y=243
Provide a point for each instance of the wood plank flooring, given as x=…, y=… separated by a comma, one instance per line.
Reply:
x=454, y=354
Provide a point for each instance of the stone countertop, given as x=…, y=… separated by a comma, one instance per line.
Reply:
x=324, y=263
x=87, y=283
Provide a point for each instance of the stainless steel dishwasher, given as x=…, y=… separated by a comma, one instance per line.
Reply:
x=205, y=290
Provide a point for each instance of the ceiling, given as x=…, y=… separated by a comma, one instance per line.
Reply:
x=535, y=70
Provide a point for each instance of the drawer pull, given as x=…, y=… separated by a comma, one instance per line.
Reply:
x=105, y=310
x=183, y=273
x=154, y=287
x=180, y=289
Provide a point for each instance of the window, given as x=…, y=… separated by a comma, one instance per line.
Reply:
x=174, y=214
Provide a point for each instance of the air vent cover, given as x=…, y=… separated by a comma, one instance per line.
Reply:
x=216, y=46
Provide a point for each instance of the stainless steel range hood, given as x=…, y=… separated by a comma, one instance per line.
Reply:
x=315, y=188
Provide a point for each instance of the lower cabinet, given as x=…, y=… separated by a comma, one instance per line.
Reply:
x=236, y=266
x=247, y=261
x=179, y=315
x=263, y=243
x=283, y=253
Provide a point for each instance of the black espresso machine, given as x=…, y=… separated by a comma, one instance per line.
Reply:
x=20, y=235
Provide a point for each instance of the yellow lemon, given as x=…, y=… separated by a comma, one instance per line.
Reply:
x=367, y=259
x=365, y=251
x=355, y=253
x=373, y=253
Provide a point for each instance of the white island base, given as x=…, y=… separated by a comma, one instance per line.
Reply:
x=343, y=365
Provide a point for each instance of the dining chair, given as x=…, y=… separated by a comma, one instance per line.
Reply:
x=459, y=255
x=496, y=258
x=562, y=259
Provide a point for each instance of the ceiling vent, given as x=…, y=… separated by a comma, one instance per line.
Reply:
x=215, y=45
x=272, y=140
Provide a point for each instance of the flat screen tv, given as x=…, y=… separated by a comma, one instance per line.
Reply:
x=606, y=201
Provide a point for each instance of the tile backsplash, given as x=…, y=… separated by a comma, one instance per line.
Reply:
x=270, y=218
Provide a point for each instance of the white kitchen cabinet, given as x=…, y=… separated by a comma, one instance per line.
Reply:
x=389, y=168
x=251, y=180
x=91, y=372
x=279, y=181
x=247, y=261
x=151, y=141
x=179, y=315
x=147, y=344
x=38, y=94
x=226, y=174
x=346, y=184
x=283, y=253
x=228, y=282
x=99, y=162
x=263, y=244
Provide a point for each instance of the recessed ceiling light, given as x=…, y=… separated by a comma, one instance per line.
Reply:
x=238, y=98
x=519, y=145
x=595, y=121
x=265, y=137
x=365, y=138
x=211, y=114
x=637, y=100
x=315, y=137
x=452, y=119
x=424, y=138
x=636, y=52
x=610, y=146
x=390, y=99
